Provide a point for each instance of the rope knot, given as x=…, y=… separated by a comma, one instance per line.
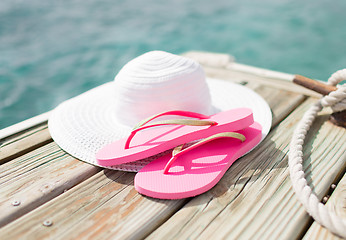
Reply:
x=336, y=99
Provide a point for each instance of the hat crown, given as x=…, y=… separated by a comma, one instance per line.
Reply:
x=158, y=81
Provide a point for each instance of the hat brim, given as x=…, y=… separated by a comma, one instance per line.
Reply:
x=84, y=124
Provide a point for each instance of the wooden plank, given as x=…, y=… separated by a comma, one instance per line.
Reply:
x=24, y=125
x=22, y=134
x=335, y=203
x=221, y=60
x=147, y=213
x=241, y=77
x=281, y=102
x=104, y=206
x=254, y=200
x=24, y=142
x=36, y=178
x=224, y=66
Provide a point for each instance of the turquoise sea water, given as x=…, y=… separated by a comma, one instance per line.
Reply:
x=53, y=50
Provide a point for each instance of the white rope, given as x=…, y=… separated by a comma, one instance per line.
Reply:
x=337, y=101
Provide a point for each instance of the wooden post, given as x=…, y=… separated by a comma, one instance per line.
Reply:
x=338, y=118
x=316, y=86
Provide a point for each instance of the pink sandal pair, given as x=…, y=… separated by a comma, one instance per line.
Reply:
x=188, y=171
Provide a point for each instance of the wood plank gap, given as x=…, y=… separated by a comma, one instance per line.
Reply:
x=25, y=144
x=23, y=134
x=24, y=125
x=12, y=172
x=48, y=173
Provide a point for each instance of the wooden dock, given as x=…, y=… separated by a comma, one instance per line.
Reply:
x=47, y=194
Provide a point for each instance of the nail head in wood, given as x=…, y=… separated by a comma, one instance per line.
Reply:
x=16, y=203
x=47, y=223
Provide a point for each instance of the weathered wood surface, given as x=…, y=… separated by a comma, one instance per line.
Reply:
x=24, y=142
x=336, y=203
x=280, y=110
x=219, y=67
x=261, y=204
x=253, y=200
x=36, y=178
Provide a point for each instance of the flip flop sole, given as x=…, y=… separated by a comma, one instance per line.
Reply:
x=198, y=170
x=152, y=141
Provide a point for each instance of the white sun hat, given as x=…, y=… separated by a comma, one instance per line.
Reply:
x=154, y=82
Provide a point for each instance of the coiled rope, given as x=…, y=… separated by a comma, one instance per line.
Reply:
x=337, y=101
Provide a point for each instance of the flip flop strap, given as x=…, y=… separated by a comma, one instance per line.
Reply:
x=140, y=126
x=177, y=151
x=175, y=113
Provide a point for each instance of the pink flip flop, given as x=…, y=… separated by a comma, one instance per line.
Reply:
x=170, y=134
x=197, y=168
